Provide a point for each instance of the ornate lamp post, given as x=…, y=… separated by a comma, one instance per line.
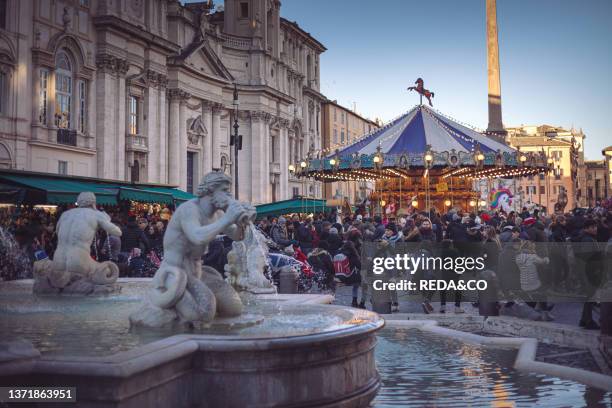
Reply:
x=236, y=140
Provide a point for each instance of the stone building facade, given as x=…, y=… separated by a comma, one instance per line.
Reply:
x=143, y=91
x=596, y=181
x=566, y=148
x=342, y=126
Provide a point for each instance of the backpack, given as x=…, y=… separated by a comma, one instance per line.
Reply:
x=342, y=266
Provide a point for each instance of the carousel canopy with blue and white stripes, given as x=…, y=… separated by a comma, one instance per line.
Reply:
x=413, y=132
x=405, y=142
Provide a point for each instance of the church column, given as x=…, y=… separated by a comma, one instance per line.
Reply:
x=104, y=123
x=173, y=137
x=207, y=144
x=107, y=114
x=152, y=127
x=284, y=160
x=182, y=154
x=260, y=165
x=216, y=135
x=162, y=118
x=120, y=130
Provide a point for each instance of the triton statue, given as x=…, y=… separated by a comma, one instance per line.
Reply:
x=182, y=290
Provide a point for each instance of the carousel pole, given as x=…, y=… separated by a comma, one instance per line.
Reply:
x=400, y=192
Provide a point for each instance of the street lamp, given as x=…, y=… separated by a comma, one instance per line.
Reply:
x=472, y=203
x=291, y=168
x=447, y=203
x=236, y=140
x=478, y=157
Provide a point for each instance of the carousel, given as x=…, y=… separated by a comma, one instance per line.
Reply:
x=421, y=160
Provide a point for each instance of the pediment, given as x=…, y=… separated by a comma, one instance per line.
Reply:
x=201, y=57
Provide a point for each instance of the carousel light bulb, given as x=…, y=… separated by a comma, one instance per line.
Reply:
x=332, y=162
x=447, y=203
x=415, y=203
x=291, y=167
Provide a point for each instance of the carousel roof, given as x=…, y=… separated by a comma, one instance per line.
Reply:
x=400, y=149
x=412, y=132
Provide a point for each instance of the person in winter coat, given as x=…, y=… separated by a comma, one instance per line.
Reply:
x=379, y=229
x=323, y=267
x=349, y=250
x=392, y=235
x=334, y=241
x=590, y=265
x=304, y=236
x=426, y=231
x=278, y=233
x=133, y=237
x=527, y=261
x=411, y=232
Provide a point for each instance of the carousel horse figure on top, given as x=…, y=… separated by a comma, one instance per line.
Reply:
x=420, y=88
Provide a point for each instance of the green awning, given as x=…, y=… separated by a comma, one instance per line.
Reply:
x=145, y=195
x=62, y=191
x=56, y=189
x=296, y=205
x=178, y=195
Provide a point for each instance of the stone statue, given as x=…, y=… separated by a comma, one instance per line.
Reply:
x=72, y=270
x=247, y=261
x=182, y=291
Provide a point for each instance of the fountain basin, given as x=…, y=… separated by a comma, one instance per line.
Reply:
x=301, y=355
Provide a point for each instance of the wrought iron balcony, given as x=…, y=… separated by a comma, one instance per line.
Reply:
x=67, y=137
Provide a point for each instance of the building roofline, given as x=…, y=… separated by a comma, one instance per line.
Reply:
x=331, y=102
x=306, y=35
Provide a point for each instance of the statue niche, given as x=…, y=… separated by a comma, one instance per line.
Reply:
x=196, y=130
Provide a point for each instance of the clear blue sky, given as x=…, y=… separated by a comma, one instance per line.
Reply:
x=555, y=56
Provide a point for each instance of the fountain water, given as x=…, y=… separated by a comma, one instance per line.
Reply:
x=14, y=261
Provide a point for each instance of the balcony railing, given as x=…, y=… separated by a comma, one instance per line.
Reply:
x=67, y=137
x=236, y=42
x=137, y=142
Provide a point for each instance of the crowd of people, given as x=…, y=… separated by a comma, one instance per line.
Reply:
x=526, y=250
x=30, y=235
x=329, y=247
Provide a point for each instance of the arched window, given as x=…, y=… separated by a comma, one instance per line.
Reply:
x=63, y=91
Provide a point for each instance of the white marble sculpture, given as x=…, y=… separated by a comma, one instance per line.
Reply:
x=182, y=291
x=246, y=263
x=72, y=270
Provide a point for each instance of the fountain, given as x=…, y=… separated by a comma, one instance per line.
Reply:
x=187, y=337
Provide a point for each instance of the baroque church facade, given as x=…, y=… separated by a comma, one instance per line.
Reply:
x=143, y=91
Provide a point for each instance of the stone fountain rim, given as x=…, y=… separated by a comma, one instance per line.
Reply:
x=127, y=363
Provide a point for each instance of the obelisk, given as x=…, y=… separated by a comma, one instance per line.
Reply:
x=496, y=126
